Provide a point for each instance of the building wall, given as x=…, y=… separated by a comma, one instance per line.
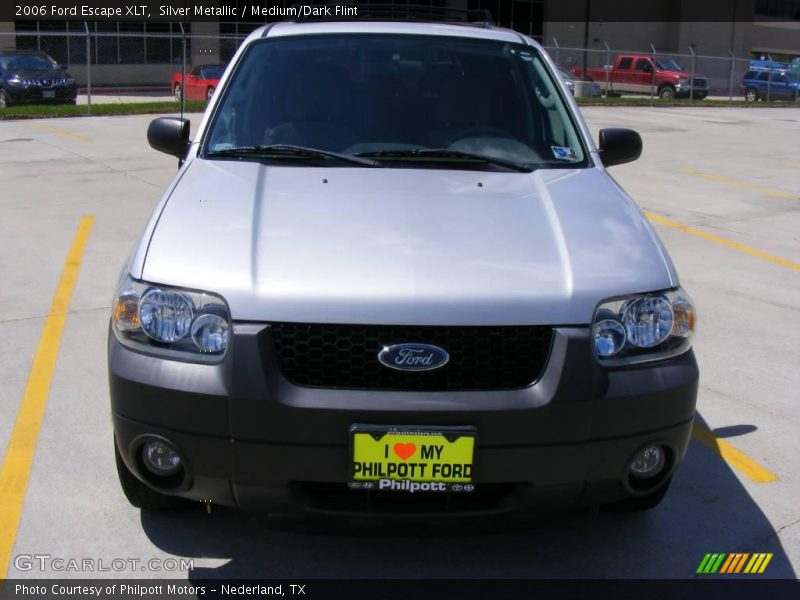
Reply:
x=7, y=38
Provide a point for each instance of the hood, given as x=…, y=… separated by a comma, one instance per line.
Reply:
x=39, y=74
x=404, y=246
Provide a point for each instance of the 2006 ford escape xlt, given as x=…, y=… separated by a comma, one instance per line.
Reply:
x=393, y=276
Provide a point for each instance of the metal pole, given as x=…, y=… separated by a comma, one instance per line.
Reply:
x=586, y=41
x=607, y=69
x=730, y=78
x=183, y=71
x=691, y=76
x=653, y=75
x=88, y=69
x=558, y=50
x=769, y=78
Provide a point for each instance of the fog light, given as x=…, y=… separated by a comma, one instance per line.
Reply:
x=648, y=462
x=160, y=458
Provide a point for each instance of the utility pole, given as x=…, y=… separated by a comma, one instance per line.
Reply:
x=586, y=39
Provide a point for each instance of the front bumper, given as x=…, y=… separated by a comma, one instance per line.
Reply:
x=252, y=440
x=696, y=91
x=30, y=94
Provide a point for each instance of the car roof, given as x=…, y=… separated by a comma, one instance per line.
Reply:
x=473, y=31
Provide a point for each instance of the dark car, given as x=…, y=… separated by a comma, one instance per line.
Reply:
x=775, y=85
x=33, y=77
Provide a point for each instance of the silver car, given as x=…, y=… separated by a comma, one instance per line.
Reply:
x=392, y=276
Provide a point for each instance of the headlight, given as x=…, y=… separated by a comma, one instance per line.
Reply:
x=643, y=327
x=16, y=81
x=171, y=322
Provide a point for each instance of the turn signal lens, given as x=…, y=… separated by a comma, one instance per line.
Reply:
x=126, y=311
x=683, y=312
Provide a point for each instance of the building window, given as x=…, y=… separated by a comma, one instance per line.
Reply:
x=781, y=9
x=112, y=43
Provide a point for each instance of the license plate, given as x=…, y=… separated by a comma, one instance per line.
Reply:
x=412, y=459
x=48, y=94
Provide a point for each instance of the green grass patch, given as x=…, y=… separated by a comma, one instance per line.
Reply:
x=45, y=111
x=645, y=101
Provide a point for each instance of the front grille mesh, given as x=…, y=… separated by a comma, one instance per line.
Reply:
x=346, y=356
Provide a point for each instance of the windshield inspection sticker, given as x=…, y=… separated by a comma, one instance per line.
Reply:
x=564, y=153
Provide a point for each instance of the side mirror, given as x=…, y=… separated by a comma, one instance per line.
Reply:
x=619, y=146
x=169, y=135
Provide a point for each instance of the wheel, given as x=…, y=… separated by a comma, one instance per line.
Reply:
x=700, y=96
x=209, y=93
x=640, y=503
x=178, y=92
x=667, y=93
x=5, y=101
x=142, y=496
x=751, y=94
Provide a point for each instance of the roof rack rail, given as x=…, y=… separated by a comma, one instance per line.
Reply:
x=398, y=12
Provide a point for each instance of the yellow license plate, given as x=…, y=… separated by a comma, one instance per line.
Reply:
x=412, y=459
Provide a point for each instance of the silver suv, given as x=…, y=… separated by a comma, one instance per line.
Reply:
x=393, y=276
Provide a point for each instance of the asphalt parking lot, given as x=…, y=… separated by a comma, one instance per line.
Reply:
x=722, y=186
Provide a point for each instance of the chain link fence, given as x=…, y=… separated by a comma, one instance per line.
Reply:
x=723, y=74
x=136, y=62
x=113, y=62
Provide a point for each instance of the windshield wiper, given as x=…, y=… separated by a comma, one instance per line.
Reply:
x=287, y=150
x=446, y=153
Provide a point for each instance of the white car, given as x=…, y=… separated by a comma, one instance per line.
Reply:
x=392, y=275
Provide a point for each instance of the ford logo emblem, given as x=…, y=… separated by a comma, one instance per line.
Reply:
x=413, y=357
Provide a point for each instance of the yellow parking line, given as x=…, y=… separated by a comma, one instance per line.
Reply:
x=59, y=131
x=742, y=184
x=713, y=238
x=22, y=444
x=735, y=458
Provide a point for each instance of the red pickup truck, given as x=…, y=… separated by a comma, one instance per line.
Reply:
x=636, y=74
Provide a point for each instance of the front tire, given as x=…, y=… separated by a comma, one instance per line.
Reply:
x=640, y=503
x=5, y=101
x=209, y=94
x=667, y=93
x=177, y=91
x=142, y=496
x=751, y=94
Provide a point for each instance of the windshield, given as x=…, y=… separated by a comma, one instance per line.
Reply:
x=213, y=71
x=27, y=62
x=668, y=65
x=396, y=98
